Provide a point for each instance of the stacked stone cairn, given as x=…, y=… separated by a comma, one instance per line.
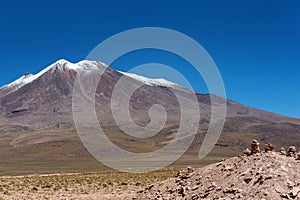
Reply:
x=292, y=151
x=269, y=147
x=282, y=151
x=254, y=149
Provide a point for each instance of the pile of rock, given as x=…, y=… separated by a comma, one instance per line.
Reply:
x=282, y=151
x=268, y=176
x=254, y=149
x=292, y=151
x=269, y=147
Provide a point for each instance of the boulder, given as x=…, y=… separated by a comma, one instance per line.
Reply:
x=269, y=147
x=247, y=152
x=282, y=151
x=255, y=147
x=292, y=151
x=298, y=156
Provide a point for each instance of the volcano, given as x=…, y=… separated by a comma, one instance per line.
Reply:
x=37, y=131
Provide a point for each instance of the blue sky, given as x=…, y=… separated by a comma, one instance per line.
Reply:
x=255, y=44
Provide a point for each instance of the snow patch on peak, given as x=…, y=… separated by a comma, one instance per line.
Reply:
x=84, y=65
x=150, y=81
x=90, y=65
x=81, y=65
x=61, y=61
x=26, y=78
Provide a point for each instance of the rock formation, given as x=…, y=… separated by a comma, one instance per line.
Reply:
x=255, y=147
x=269, y=147
x=298, y=156
x=282, y=151
x=247, y=152
x=266, y=175
x=292, y=151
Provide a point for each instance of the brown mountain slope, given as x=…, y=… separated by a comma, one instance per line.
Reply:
x=36, y=121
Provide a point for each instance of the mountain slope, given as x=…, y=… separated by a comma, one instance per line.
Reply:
x=36, y=112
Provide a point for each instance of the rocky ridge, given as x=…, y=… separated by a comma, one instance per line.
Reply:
x=265, y=175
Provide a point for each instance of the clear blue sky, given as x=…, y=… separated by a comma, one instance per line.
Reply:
x=254, y=43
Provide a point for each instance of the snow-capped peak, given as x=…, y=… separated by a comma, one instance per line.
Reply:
x=81, y=65
x=60, y=64
x=84, y=65
x=150, y=81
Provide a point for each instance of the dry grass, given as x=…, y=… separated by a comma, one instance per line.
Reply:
x=45, y=187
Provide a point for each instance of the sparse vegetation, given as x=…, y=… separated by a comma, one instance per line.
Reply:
x=42, y=187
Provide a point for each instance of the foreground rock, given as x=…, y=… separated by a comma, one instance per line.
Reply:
x=266, y=175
